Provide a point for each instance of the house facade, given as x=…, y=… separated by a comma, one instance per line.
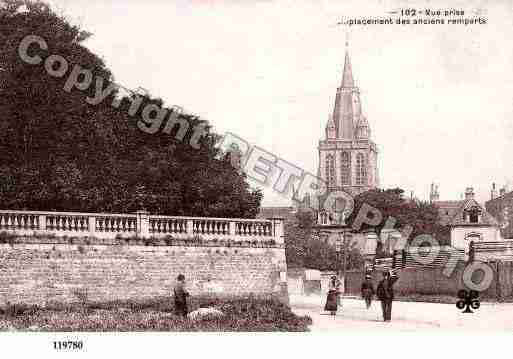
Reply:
x=468, y=220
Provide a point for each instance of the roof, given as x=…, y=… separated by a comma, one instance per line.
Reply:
x=447, y=210
x=501, y=198
x=451, y=213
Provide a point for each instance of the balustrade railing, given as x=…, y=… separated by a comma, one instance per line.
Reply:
x=141, y=224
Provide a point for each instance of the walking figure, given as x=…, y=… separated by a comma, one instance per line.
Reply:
x=180, y=296
x=333, y=293
x=385, y=293
x=367, y=290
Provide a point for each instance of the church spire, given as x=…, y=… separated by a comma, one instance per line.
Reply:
x=347, y=77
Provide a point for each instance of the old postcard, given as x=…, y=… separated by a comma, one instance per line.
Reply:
x=255, y=166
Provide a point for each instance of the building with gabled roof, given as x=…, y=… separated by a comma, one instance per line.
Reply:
x=468, y=220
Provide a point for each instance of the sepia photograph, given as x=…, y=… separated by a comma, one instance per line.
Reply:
x=322, y=167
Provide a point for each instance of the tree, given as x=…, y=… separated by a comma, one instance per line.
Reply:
x=59, y=152
x=303, y=251
x=422, y=216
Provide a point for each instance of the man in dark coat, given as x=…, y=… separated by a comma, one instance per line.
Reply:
x=367, y=290
x=180, y=296
x=385, y=294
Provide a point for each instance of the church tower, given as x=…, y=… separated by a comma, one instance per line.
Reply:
x=347, y=156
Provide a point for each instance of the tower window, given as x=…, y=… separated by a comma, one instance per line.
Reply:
x=361, y=169
x=345, y=167
x=330, y=170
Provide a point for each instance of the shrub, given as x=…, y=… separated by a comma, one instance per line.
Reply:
x=7, y=238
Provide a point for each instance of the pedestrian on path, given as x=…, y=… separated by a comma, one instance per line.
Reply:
x=367, y=290
x=385, y=293
x=333, y=293
x=181, y=295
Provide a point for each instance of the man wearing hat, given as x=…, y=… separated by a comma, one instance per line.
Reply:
x=367, y=290
x=385, y=293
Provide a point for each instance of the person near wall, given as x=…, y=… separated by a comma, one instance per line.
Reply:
x=367, y=290
x=181, y=295
x=385, y=292
x=333, y=293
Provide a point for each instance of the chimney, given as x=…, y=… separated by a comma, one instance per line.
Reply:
x=493, y=193
x=469, y=193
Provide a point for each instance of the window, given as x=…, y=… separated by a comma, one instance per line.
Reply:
x=361, y=170
x=330, y=170
x=345, y=168
x=472, y=215
x=324, y=219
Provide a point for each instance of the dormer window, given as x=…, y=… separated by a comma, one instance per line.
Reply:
x=472, y=215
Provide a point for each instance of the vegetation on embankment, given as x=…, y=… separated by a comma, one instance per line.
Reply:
x=246, y=314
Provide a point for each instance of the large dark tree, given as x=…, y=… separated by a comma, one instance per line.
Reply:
x=421, y=216
x=58, y=152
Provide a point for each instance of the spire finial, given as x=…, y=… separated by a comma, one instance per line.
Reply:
x=347, y=77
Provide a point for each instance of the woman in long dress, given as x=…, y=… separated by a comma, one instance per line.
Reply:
x=332, y=299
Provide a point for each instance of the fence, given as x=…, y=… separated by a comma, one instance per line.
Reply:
x=485, y=251
x=140, y=224
x=417, y=277
x=421, y=257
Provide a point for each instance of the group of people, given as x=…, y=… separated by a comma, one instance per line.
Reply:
x=384, y=292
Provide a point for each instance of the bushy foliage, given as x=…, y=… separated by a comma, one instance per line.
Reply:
x=303, y=251
x=240, y=314
x=422, y=216
x=61, y=153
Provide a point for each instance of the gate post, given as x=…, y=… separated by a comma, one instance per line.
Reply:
x=471, y=252
x=498, y=280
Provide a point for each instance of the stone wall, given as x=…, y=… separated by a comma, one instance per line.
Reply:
x=42, y=273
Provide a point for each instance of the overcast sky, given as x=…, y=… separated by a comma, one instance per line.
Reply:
x=439, y=99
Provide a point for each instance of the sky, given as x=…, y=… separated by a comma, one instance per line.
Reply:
x=438, y=98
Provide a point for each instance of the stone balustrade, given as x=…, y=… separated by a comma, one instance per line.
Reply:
x=141, y=224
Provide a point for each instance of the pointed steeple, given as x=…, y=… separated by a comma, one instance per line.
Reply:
x=347, y=77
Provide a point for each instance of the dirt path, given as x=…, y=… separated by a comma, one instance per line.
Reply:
x=407, y=316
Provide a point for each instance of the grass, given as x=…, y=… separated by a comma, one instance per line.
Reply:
x=253, y=314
